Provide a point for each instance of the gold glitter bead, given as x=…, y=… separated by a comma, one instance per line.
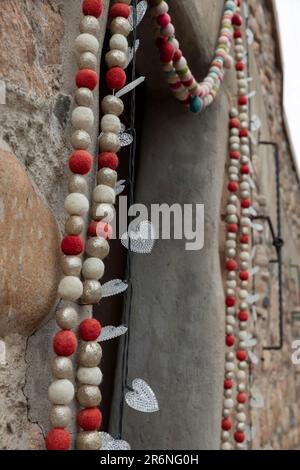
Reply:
x=67, y=317
x=74, y=225
x=89, y=353
x=88, y=440
x=97, y=247
x=71, y=265
x=112, y=105
x=60, y=416
x=62, y=368
x=89, y=396
x=77, y=184
x=92, y=292
x=107, y=176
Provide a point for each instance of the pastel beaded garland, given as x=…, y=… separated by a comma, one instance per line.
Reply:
x=178, y=74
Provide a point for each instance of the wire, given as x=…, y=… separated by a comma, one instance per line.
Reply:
x=128, y=296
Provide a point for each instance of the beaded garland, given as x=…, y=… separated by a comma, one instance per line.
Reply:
x=182, y=82
x=237, y=241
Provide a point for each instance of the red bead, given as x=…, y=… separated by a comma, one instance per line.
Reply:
x=177, y=55
x=239, y=437
x=89, y=329
x=246, y=203
x=72, y=245
x=232, y=228
x=226, y=424
x=80, y=162
x=233, y=187
x=231, y=265
x=234, y=123
x=244, y=275
x=58, y=439
x=238, y=3
x=100, y=229
x=115, y=78
x=241, y=355
x=120, y=9
x=241, y=397
x=229, y=341
x=108, y=160
x=244, y=133
x=65, y=343
x=237, y=20
x=167, y=52
x=188, y=83
x=235, y=155
x=228, y=384
x=230, y=301
x=245, y=170
x=243, y=100
x=238, y=34
x=163, y=20
x=243, y=316
x=87, y=78
x=160, y=41
x=92, y=8
x=89, y=419
x=240, y=66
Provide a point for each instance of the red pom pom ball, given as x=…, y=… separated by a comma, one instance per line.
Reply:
x=87, y=78
x=177, y=55
x=228, y=384
x=243, y=316
x=58, y=439
x=163, y=20
x=231, y=265
x=229, y=340
x=65, y=343
x=230, y=301
x=233, y=187
x=115, y=78
x=244, y=275
x=239, y=437
x=89, y=419
x=237, y=20
x=226, y=424
x=100, y=229
x=108, y=160
x=241, y=355
x=241, y=397
x=92, y=8
x=89, y=329
x=72, y=245
x=234, y=123
x=167, y=52
x=120, y=9
x=232, y=228
x=80, y=162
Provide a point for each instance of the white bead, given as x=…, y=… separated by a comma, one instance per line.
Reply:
x=109, y=142
x=228, y=403
x=231, y=252
x=105, y=212
x=234, y=132
x=89, y=24
x=233, y=177
x=110, y=123
x=61, y=392
x=230, y=356
x=242, y=344
x=241, y=427
x=82, y=118
x=241, y=375
x=76, y=204
x=168, y=31
x=241, y=417
x=241, y=387
x=161, y=9
x=120, y=25
x=229, y=329
x=229, y=366
x=233, y=199
x=112, y=105
x=84, y=97
x=243, y=294
x=103, y=193
x=228, y=393
x=226, y=413
x=230, y=292
x=232, y=219
x=243, y=365
x=231, y=209
x=116, y=58
x=87, y=60
x=245, y=194
x=86, y=43
x=70, y=288
x=230, y=311
x=234, y=139
x=180, y=64
x=245, y=150
x=230, y=320
x=240, y=407
x=119, y=42
x=234, y=146
x=234, y=113
x=242, y=335
x=93, y=268
x=89, y=375
x=244, y=256
x=226, y=446
x=230, y=244
x=225, y=435
x=80, y=140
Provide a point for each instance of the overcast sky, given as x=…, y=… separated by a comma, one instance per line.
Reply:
x=289, y=19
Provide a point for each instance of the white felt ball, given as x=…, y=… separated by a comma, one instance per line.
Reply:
x=120, y=25
x=89, y=375
x=84, y=97
x=89, y=24
x=82, y=118
x=86, y=43
x=93, y=268
x=70, y=288
x=116, y=58
x=241, y=417
x=119, y=42
x=104, y=212
x=110, y=123
x=228, y=403
x=87, y=60
x=226, y=446
x=103, y=193
x=161, y=9
x=76, y=204
x=80, y=140
x=61, y=392
x=109, y=142
x=112, y=105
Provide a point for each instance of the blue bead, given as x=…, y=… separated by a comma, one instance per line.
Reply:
x=196, y=105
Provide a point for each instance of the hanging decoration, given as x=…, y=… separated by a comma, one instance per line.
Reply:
x=197, y=95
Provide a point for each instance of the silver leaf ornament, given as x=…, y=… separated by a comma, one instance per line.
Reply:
x=142, y=237
x=250, y=433
x=257, y=399
x=141, y=397
x=113, y=287
x=250, y=36
x=253, y=358
x=120, y=186
x=131, y=51
x=255, y=123
x=109, y=443
x=110, y=332
x=141, y=9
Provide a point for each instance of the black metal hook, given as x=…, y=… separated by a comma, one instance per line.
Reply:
x=278, y=243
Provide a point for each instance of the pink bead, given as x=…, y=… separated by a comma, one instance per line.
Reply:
x=163, y=20
x=176, y=85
